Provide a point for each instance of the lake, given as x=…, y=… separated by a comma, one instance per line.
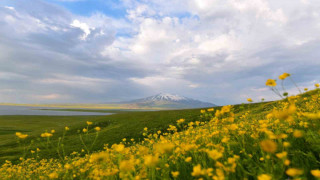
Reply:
x=25, y=110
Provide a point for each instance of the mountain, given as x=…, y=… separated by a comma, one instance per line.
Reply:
x=170, y=101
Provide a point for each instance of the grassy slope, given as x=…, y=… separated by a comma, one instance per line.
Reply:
x=114, y=127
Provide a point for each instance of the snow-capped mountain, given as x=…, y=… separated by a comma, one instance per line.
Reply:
x=166, y=100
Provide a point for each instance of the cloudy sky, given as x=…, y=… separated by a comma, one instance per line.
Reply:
x=95, y=51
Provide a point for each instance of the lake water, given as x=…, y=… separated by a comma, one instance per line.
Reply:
x=24, y=110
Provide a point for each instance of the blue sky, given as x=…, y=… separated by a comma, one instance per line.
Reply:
x=95, y=51
x=112, y=8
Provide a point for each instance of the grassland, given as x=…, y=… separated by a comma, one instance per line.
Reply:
x=270, y=140
x=115, y=127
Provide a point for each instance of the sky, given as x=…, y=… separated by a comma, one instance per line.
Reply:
x=98, y=51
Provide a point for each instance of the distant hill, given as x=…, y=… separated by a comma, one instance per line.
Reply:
x=166, y=100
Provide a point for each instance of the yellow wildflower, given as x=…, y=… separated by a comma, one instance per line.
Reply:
x=66, y=128
x=99, y=157
x=249, y=100
x=282, y=155
x=150, y=160
x=284, y=76
x=126, y=165
x=164, y=147
x=297, y=133
x=210, y=110
x=175, y=174
x=188, y=159
x=315, y=173
x=118, y=147
x=268, y=146
x=293, y=172
x=214, y=154
x=97, y=128
x=197, y=171
x=286, y=162
x=89, y=123
x=53, y=175
x=46, y=134
x=85, y=130
x=264, y=177
x=67, y=166
x=271, y=82
x=21, y=136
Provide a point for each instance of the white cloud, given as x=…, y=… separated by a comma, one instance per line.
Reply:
x=220, y=50
x=83, y=26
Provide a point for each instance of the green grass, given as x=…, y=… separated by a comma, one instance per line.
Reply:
x=115, y=127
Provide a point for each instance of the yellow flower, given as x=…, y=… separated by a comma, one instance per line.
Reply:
x=32, y=151
x=306, y=89
x=89, y=123
x=315, y=173
x=197, y=171
x=268, y=146
x=164, y=147
x=67, y=166
x=214, y=154
x=175, y=174
x=118, y=147
x=99, y=157
x=97, y=128
x=85, y=130
x=46, y=134
x=53, y=175
x=67, y=128
x=53, y=131
x=284, y=76
x=38, y=150
x=226, y=109
x=294, y=172
x=297, y=133
x=21, y=136
x=233, y=127
x=249, y=100
x=145, y=129
x=180, y=121
x=188, y=159
x=271, y=82
x=126, y=165
x=264, y=177
x=150, y=160
x=282, y=155
x=286, y=162
x=286, y=144
x=210, y=110
x=317, y=85
x=202, y=111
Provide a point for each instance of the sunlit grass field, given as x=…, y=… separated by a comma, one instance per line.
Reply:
x=267, y=140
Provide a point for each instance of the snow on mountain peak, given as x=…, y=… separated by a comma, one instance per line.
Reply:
x=169, y=97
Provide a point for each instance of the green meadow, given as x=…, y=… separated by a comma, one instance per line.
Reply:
x=115, y=127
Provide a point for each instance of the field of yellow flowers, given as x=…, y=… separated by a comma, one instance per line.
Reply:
x=281, y=142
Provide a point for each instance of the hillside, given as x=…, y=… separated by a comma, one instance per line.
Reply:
x=274, y=140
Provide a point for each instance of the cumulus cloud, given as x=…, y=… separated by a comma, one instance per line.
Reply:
x=220, y=51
